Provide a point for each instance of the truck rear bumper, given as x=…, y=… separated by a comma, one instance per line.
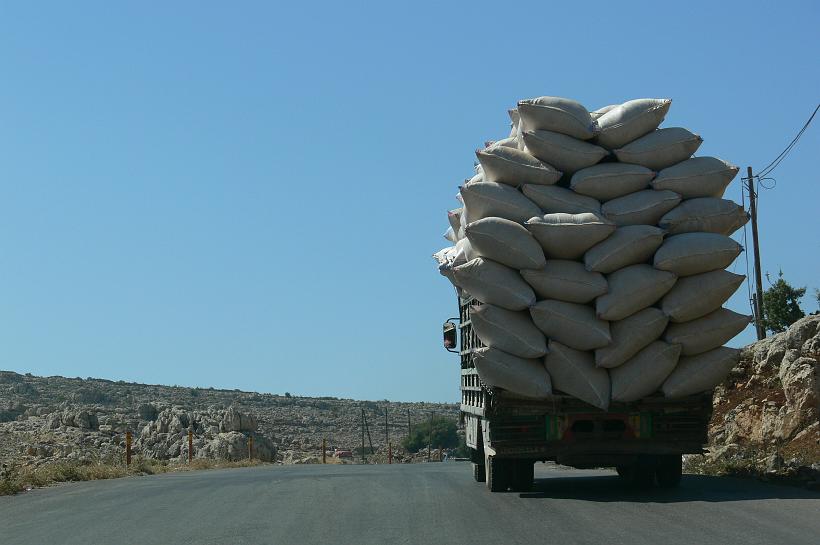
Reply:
x=595, y=453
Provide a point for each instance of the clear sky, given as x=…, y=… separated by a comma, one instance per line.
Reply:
x=247, y=195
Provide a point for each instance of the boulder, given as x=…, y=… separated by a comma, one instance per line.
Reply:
x=234, y=420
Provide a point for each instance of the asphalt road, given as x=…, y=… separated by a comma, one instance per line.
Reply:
x=398, y=504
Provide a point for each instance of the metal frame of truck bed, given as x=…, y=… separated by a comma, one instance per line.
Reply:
x=569, y=431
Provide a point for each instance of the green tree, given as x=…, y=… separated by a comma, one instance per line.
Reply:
x=444, y=435
x=781, y=305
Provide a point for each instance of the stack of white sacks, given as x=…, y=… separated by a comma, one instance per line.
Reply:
x=597, y=246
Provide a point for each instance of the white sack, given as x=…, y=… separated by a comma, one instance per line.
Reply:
x=515, y=119
x=508, y=330
x=566, y=281
x=489, y=199
x=697, y=177
x=631, y=120
x=511, y=142
x=494, y=283
x=708, y=332
x=573, y=372
x=705, y=214
x=524, y=377
x=453, y=256
x=695, y=374
x=454, y=217
x=632, y=289
x=640, y=208
x=601, y=111
x=644, y=373
x=450, y=235
x=565, y=153
x=552, y=199
x=630, y=335
x=661, y=148
x=569, y=236
x=444, y=258
x=628, y=245
x=506, y=242
x=695, y=296
x=571, y=324
x=695, y=253
x=611, y=180
x=556, y=114
x=515, y=167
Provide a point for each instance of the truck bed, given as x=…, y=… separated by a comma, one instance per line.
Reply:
x=567, y=430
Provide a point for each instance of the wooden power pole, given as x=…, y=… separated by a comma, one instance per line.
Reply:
x=362, y=434
x=759, y=327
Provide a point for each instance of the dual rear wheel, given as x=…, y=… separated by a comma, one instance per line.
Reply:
x=504, y=474
x=666, y=470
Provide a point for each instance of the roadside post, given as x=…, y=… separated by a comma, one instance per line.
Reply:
x=127, y=449
x=250, y=447
x=324, y=450
x=190, y=446
x=389, y=452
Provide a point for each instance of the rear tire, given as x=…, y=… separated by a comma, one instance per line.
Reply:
x=478, y=473
x=497, y=474
x=640, y=473
x=523, y=475
x=669, y=471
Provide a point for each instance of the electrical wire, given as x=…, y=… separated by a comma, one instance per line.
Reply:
x=764, y=186
x=765, y=171
x=745, y=253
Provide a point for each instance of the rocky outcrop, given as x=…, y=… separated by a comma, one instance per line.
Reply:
x=221, y=435
x=766, y=413
x=233, y=420
x=42, y=421
x=72, y=418
x=234, y=446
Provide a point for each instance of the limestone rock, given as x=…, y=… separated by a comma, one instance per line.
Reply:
x=237, y=421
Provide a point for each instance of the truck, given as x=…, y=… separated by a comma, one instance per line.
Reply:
x=506, y=434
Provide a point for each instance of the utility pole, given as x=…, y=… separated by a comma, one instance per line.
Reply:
x=362, y=435
x=369, y=439
x=409, y=431
x=430, y=437
x=761, y=330
x=386, y=430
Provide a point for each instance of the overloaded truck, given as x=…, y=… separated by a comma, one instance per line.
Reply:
x=590, y=259
x=507, y=434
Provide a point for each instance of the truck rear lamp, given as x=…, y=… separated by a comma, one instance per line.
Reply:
x=555, y=427
x=641, y=425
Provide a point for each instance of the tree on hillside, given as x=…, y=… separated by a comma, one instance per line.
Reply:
x=781, y=305
x=444, y=435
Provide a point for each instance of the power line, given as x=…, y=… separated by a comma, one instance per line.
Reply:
x=765, y=171
x=749, y=287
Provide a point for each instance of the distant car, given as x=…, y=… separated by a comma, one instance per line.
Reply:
x=342, y=454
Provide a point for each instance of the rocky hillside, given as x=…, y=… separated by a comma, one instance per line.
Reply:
x=766, y=413
x=47, y=419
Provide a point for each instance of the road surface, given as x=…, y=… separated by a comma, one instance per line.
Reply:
x=435, y=503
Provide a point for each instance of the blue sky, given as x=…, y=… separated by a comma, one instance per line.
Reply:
x=248, y=197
